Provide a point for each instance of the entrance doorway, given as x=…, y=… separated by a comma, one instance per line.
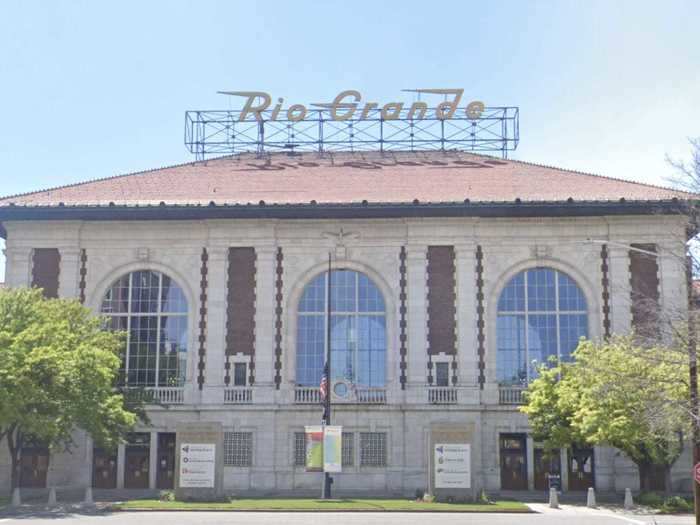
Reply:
x=581, y=468
x=513, y=462
x=546, y=465
x=165, y=473
x=136, y=460
x=104, y=468
x=34, y=465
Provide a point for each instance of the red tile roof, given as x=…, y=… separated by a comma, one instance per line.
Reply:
x=341, y=178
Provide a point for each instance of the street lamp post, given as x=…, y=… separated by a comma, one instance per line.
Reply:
x=693, y=384
x=326, y=420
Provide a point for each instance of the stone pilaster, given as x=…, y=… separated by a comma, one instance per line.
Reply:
x=69, y=274
x=153, y=460
x=18, y=267
x=121, y=464
x=467, y=347
x=265, y=320
x=620, y=303
x=216, y=325
x=416, y=264
x=530, y=462
x=673, y=288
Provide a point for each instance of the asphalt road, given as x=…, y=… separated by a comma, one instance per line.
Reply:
x=570, y=516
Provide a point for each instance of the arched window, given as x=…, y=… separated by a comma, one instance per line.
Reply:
x=152, y=309
x=541, y=313
x=358, y=330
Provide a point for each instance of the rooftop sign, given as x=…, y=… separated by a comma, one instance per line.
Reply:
x=346, y=104
x=348, y=123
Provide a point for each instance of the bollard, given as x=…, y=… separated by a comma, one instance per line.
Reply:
x=553, y=498
x=629, y=502
x=590, y=500
x=52, y=496
x=88, y=496
x=16, y=499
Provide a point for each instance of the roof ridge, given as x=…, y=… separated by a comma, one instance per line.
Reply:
x=331, y=154
x=596, y=175
x=111, y=177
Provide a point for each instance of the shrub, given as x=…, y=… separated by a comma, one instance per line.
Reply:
x=650, y=499
x=677, y=504
x=484, y=498
x=167, y=495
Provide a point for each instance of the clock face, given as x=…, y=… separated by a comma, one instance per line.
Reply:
x=340, y=389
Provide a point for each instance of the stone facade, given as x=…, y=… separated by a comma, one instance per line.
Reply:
x=407, y=415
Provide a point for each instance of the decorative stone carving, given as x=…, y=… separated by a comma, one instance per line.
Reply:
x=540, y=251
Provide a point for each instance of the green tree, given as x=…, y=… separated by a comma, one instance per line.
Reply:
x=618, y=394
x=58, y=370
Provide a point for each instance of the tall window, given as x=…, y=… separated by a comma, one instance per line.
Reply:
x=358, y=330
x=152, y=309
x=541, y=313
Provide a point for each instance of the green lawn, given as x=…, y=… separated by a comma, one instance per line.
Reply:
x=292, y=504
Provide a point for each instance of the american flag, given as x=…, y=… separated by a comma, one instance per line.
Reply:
x=323, y=387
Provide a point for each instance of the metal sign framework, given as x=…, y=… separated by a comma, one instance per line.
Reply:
x=221, y=132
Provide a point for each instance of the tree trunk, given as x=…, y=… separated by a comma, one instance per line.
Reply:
x=646, y=471
x=667, y=481
x=14, y=444
x=654, y=477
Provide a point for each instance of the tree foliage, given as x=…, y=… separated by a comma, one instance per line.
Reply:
x=613, y=393
x=57, y=373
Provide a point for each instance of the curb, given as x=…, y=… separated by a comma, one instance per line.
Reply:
x=333, y=511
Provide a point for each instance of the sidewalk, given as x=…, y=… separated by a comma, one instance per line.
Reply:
x=636, y=516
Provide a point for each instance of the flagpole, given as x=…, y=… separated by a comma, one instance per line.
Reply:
x=327, y=480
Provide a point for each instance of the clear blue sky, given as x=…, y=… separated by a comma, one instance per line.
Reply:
x=91, y=89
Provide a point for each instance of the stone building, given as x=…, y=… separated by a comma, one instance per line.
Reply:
x=452, y=274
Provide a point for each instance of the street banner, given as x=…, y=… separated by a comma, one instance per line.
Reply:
x=332, y=449
x=314, y=448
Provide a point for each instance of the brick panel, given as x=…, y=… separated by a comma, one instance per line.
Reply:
x=240, y=313
x=644, y=290
x=442, y=326
x=46, y=263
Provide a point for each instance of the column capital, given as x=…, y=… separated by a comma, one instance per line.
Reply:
x=217, y=253
x=69, y=253
x=266, y=251
x=417, y=252
x=465, y=250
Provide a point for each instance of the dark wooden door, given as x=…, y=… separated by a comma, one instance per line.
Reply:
x=546, y=465
x=581, y=468
x=513, y=462
x=165, y=473
x=104, y=468
x=34, y=464
x=136, y=461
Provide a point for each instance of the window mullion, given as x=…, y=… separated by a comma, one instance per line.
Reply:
x=128, y=329
x=556, y=312
x=356, y=326
x=158, y=321
x=327, y=298
x=527, y=331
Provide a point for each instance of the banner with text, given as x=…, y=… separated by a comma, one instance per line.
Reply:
x=332, y=449
x=314, y=448
x=452, y=466
x=197, y=462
